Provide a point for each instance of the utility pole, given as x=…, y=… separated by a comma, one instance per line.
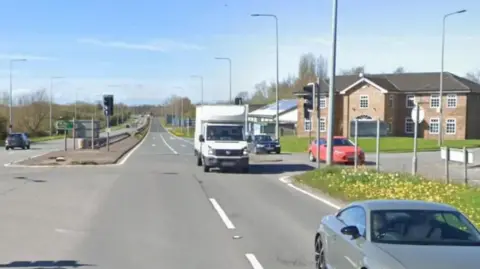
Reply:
x=331, y=89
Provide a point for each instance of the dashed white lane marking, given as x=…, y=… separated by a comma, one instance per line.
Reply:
x=253, y=261
x=182, y=145
x=153, y=145
x=325, y=201
x=170, y=147
x=222, y=214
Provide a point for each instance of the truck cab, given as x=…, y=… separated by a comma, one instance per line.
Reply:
x=221, y=140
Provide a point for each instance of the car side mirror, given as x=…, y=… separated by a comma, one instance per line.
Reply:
x=350, y=230
x=249, y=139
x=201, y=138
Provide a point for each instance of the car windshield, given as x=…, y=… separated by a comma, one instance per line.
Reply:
x=423, y=227
x=225, y=132
x=15, y=136
x=263, y=138
x=337, y=142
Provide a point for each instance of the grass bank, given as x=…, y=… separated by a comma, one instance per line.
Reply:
x=183, y=132
x=363, y=184
x=387, y=144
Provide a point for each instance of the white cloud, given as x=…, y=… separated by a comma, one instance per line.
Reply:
x=161, y=45
x=26, y=57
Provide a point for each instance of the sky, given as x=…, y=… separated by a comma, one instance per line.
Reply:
x=144, y=51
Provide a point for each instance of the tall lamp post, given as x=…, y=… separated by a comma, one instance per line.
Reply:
x=331, y=89
x=51, y=101
x=11, y=91
x=277, y=124
x=201, y=85
x=440, y=131
x=230, y=73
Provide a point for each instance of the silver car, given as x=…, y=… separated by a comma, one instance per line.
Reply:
x=397, y=234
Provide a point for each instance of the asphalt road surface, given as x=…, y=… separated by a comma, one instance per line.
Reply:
x=7, y=156
x=157, y=210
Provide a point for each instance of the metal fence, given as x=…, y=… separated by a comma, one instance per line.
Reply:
x=447, y=164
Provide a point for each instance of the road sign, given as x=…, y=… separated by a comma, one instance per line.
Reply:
x=421, y=114
x=62, y=125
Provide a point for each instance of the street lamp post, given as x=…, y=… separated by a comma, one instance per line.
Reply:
x=51, y=101
x=277, y=123
x=11, y=91
x=440, y=131
x=230, y=72
x=201, y=82
x=331, y=89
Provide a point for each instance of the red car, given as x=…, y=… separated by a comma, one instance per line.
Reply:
x=343, y=151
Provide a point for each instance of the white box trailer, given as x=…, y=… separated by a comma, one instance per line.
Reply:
x=221, y=139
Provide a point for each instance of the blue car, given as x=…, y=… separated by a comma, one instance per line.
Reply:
x=264, y=144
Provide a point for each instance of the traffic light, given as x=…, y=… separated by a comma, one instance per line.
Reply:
x=108, y=105
x=307, y=101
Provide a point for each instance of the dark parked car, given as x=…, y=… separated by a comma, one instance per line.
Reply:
x=17, y=140
x=264, y=144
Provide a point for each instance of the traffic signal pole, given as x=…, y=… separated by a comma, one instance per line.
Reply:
x=108, y=133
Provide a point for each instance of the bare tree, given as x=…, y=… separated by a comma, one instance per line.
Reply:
x=399, y=70
x=322, y=67
x=353, y=71
x=34, y=111
x=474, y=76
x=307, y=68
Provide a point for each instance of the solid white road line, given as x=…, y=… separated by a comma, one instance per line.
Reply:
x=124, y=159
x=253, y=261
x=222, y=214
x=170, y=147
x=325, y=201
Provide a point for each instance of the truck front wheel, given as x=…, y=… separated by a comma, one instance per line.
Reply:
x=199, y=161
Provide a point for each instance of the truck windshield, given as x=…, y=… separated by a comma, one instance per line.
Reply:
x=225, y=132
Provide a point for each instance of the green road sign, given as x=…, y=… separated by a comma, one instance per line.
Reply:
x=62, y=125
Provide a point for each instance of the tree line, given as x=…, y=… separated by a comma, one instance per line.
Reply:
x=31, y=113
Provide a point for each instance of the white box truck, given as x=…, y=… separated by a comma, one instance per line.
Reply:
x=221, y=139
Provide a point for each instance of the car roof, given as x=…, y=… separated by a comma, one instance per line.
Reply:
x=371, y=205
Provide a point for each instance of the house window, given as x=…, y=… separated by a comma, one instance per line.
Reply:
x=434, y=126
x=323, y=102
x=363, y=101
x=307, y=125
x=434, y=101
x=391, y=100
x=451, y=100
x=322, y=124
x=451, y=126
x=409, y=126
x=410, y=101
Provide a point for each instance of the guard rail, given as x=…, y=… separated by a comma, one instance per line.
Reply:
x=102, y=141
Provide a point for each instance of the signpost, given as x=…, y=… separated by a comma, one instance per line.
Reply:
x=418, y=115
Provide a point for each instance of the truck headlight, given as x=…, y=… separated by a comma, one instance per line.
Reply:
x=210, y=151
x=245, y=151
x=260, y=145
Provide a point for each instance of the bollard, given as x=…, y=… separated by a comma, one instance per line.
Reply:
x=447, y=159
x=465, y=166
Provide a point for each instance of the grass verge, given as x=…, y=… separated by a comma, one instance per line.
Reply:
x=364, y=184
x=387, y=144
x=182, y=133
x=46, y=138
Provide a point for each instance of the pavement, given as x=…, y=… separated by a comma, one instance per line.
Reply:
x=40, y=148
x=158, y=210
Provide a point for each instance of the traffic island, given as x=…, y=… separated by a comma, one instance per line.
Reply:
x=88, y=157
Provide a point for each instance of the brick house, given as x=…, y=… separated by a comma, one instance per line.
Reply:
x=390, y=98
